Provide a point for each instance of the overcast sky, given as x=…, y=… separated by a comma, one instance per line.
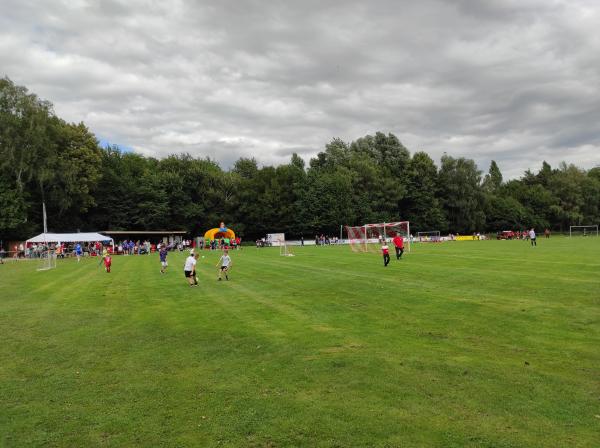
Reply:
x=517, y=81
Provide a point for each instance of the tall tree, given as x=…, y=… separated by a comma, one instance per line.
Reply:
x=24, y=137
x=421, y=205
x=459, y=186
x=493, y=179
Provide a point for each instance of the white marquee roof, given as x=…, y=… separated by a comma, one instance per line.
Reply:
x=68, y=237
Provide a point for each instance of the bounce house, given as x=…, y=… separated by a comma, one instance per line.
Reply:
x=218, y=233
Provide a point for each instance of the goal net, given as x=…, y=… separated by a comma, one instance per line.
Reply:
x=583, y=230
x=370, y=237
x=47, y=260
x=285, y=249
x=356, y=238
x=431, y=236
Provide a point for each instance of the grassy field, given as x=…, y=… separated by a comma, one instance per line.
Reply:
x=476, y=344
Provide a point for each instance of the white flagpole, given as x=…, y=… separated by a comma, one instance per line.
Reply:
x=44, y=214
x=46, y=249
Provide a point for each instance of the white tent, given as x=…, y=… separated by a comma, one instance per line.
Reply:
x=83, y=237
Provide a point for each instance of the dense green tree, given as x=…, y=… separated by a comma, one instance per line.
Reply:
x=459, y=187
x=421, y=205
x=13, y=209
x=73, y=173
x=505, y=213
x=327, y=202
x=372, y=179
x=24, y=136
x=493, y=179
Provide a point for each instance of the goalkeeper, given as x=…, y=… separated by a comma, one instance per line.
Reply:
x=399, y=245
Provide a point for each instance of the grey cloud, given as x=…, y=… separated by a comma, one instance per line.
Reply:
x=514, y=81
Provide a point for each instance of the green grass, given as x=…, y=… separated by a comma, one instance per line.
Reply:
x=476, y=344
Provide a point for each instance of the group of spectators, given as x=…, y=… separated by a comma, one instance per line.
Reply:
x=125, y=247
x=323, y=240
x=130, y=247
x=40, y=250
x=264, y=242
x=135, y=247
x=221, y=243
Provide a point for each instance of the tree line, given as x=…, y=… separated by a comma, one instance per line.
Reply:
x=372, y=179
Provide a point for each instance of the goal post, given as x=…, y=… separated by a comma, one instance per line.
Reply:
x=399, y=228
x=374, y=236
x=285, y=249
x=591, y=230
x=356, y=238
x=369, y=237
x=47, y=260
x=430, y=236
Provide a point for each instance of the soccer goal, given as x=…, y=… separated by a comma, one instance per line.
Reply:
x=431, y=236
x=583, y=230
x=356, y=238
x=370, y=237
x=47, y=260
x=285, y=249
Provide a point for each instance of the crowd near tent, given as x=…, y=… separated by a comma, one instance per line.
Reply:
x=85, y=237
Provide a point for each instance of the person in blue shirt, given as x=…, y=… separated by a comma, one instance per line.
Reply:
x=163, y=259
x=78, y=252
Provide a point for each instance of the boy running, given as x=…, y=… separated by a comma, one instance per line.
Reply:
x=78, y=252
x=386, y=253
x=163, y=259
x=189, y=269
x=225, y=262
x=103, y=257
x=107, y=263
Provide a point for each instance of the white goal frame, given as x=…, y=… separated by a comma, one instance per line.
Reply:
x=47, y=260
x=593, y=228
x=430, y=236
x=362, y=239
x=285, y=249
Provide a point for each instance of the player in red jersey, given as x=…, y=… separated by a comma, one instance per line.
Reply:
x=386, y=253
x=107, y=263
x=399, y=245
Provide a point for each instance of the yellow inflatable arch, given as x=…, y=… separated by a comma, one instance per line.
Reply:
x=217, y=234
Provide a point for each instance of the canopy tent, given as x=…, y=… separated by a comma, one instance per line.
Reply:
x=83, y=237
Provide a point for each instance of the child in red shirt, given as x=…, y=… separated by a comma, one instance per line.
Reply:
x=107, y=263
x=386, y=253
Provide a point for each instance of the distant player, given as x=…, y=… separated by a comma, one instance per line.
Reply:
x=189, y=269
x=103, y=257
x=107, y=263
x=399, y=245
x=78, y=252
x=386, y=253
x=532, y=237
x=225, y=262
x=162, y=253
